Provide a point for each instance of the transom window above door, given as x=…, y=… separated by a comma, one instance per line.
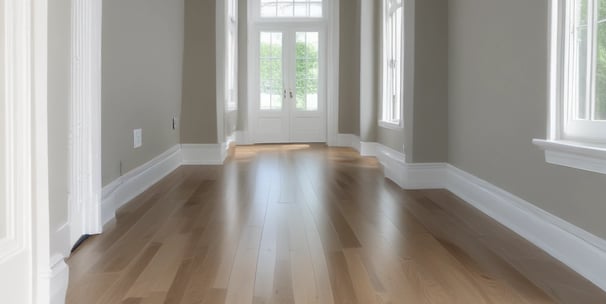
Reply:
x=290, y=8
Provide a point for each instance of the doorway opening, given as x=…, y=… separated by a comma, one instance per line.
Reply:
x=292, y=66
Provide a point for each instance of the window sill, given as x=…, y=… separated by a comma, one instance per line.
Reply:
x=572, y=154
x=390, y=125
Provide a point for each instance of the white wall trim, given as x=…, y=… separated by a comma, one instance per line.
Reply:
x=347, y=140
x=242, y=138
x=368, y=148
x=574, y=155
x=135, y=182
x=580, y=250
x=409, y=176
x=332, y=80
x=203, y=154
x=85, y=119
x=59, y=280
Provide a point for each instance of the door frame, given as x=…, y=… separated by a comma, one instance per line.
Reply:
x=331, y=22
x=26, y=122
x=288, y=74
x=85, y=120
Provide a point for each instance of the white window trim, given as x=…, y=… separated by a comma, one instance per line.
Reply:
x=561, y=147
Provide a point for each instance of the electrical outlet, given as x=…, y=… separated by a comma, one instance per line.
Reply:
x=138, y=138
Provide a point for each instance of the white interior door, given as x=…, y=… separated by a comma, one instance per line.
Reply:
x=16, y=159
x=290, y=95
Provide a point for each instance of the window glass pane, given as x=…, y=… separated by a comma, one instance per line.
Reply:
x=600, y=76
x=291, y=8
x=268, y=8
x=393, y=45
x=580, y=63
x=315, y=9
x=307, y=79
x=270, y=68
x=600, y=100
x=601, y=9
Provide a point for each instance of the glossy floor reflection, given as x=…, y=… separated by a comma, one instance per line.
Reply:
x=309, y=224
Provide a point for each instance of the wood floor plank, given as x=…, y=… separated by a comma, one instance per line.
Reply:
x=310, y=224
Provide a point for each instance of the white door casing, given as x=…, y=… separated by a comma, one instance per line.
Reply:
x=85, y=120
x=25, y=270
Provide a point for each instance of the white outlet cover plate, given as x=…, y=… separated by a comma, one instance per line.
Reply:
x=138, y=138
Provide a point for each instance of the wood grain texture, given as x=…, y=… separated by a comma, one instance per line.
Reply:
x=310, y=224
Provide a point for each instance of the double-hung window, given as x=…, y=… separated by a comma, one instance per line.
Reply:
x=577, y=128
x=392, y=62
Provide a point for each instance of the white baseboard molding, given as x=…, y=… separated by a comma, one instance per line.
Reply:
x=243, y=138
x=59, y=280
x=580, y=250
x=135, y=182
x=59, y=272
x=409, y=176
x=368, y=148
x=203, y=154
x=349, y=141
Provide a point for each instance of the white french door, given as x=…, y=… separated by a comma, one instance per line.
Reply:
x=289, y=93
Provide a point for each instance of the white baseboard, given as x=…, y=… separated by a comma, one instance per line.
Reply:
x=243, y=138
x=368, y=148
x=349, y=141
x=203, y=154
x=59, y=280
x=128, y=186
x=580, y=250
x=409, y=176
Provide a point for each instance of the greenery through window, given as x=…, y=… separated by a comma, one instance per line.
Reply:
x=271, y=71
x=586, y=60
x=306, y=74
x=307, y=71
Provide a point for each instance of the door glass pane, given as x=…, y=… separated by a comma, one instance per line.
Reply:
x=307, y=74
x=270, y=68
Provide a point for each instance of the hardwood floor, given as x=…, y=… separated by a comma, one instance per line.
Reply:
x=308, y=224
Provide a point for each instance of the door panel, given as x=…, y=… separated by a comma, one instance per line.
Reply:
x=271, y=124
x=308, y=119
x=289, y=100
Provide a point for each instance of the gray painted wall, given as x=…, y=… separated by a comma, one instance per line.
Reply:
x=425, y=133
x=498, y=104
x=199, y=108
x=430, y=130
x=242, y=65
x=142, y=80
x=59, y=82
x=349, y=68
x=369, y=29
